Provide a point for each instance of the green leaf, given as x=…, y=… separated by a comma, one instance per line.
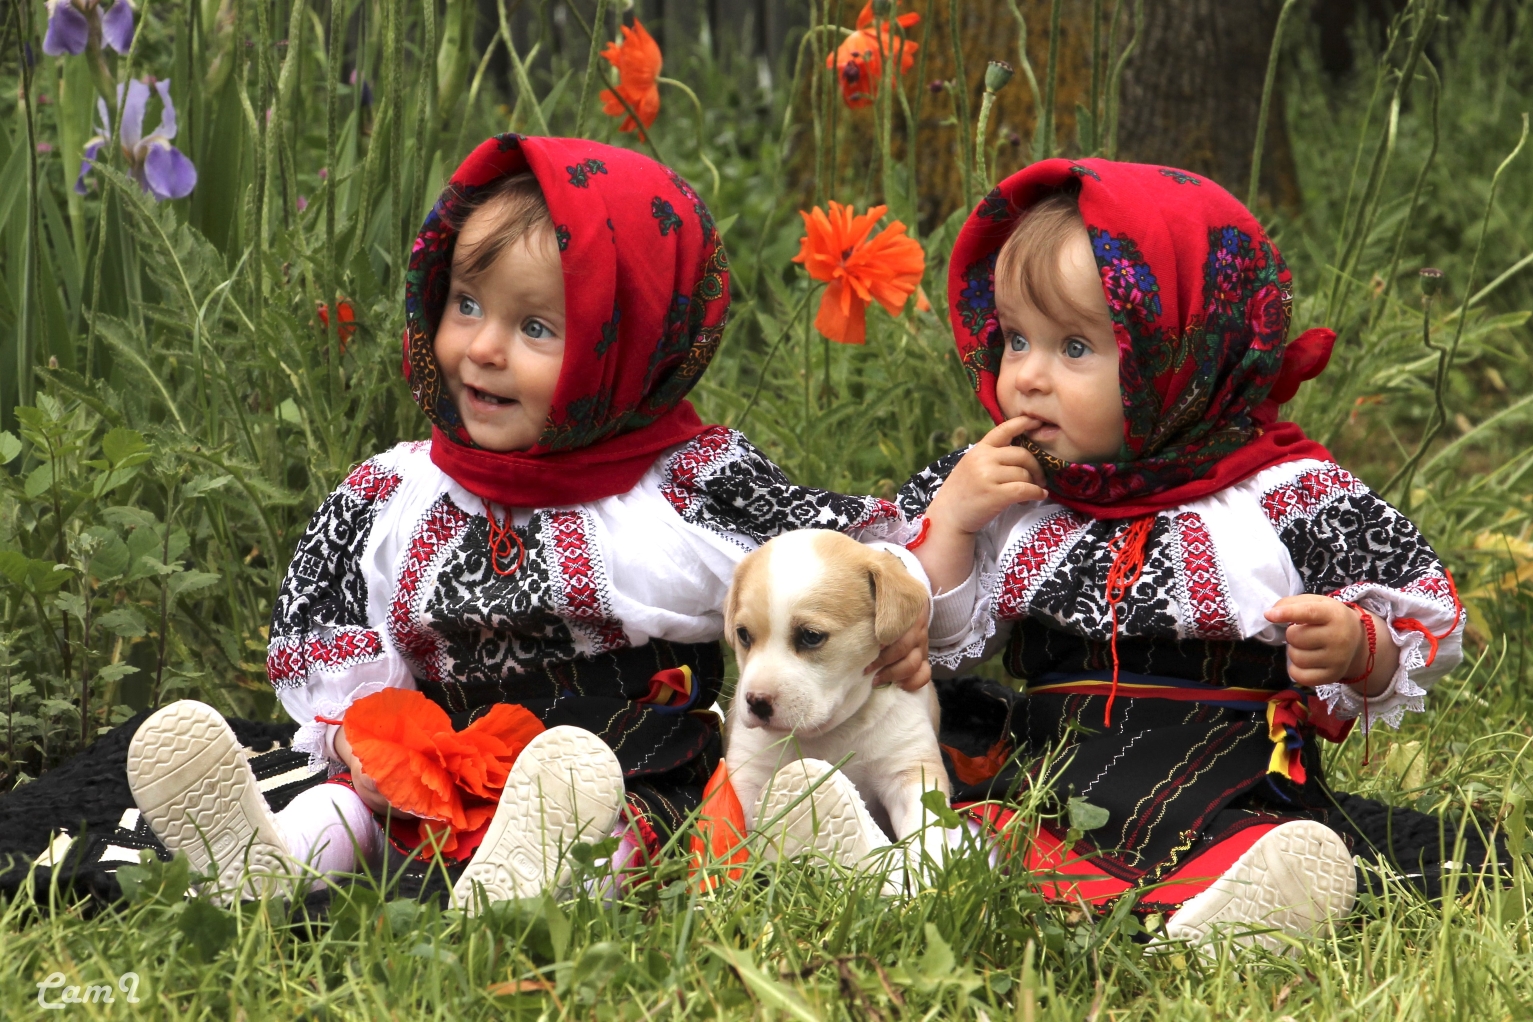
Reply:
x=938, y=961
x=112, y=557
x=183, y=582
x=38, y=481
x=120, y=444
x=115, y=672
x=1086, y=817
x=598, y=965
x=935, y=803
x=13, y=566
x=125, y=621
x=9, y=447
x=206, y=929
x=155, y=881
x=558, y=927
x=725, y=224
x=205, y=484
x=771, y=993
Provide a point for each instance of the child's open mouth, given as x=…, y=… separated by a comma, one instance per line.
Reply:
x=484, y=397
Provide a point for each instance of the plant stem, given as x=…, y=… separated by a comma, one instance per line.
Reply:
x=981, y=162
x=1114, y=86
x=1026, y=65
x=702, y=125
x=1044, y=145
x=523, y=83
x=961, y=94
x=1267, y=87
x=598, y=30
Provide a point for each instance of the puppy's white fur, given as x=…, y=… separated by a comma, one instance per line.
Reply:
x=806, y=614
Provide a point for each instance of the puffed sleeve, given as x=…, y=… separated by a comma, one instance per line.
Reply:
x=325, y=652
x=1348, y=543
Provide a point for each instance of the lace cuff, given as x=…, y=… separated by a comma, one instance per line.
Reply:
x=953, y=611
x=317, y=738
x=1402, y=693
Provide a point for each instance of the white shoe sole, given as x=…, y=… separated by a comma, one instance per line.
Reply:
x=1294, y=880
x=566, y=786
x=809, y=806
x=188, y=774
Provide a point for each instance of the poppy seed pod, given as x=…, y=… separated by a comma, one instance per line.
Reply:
x=883, y=8
x=997, y=75
x=1432, y=280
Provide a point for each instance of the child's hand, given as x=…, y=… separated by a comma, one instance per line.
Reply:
x=366, y=790
x=991, y=477
x=903, y=662
x=1327, y=642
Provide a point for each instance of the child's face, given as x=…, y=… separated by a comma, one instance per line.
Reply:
x=501, y=339
x=1063, y=373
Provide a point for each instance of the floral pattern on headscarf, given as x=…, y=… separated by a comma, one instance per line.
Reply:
x=1199, y=300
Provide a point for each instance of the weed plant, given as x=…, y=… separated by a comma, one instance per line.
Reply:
x=174, y=405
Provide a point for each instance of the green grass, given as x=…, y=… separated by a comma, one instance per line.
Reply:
x=199, y=412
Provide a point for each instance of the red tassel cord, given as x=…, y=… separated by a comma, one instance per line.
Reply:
x=1367, y=672
x=1127, y=549
x=502, y=539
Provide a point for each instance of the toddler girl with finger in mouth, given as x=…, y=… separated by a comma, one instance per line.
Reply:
x=1192, y=590
x=505, y=639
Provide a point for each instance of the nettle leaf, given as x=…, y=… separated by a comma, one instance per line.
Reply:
x=115, y=672
x=205, y=484
x=112, y=556
x=183, y=582
x=9, y=447
x=13, y=566
x=129, y=517
x=1086, y=817
x=121, y=444
x=125, y=621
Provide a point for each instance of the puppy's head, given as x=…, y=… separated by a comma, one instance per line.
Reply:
x=806, y=614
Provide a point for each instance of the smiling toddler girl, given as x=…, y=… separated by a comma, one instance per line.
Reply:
x=1191, y=590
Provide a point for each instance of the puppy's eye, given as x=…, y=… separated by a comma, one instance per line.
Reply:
x=743, y=637
x=808, y=638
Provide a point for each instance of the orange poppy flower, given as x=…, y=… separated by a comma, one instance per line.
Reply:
x=886, y=268
x=450, y=779
x=346, y=328
x=720, y=835
x=859, y=59
x=638, y=66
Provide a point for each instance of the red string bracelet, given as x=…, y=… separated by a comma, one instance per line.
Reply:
x=501, y=539
x=926, y=526
x=1373, y=649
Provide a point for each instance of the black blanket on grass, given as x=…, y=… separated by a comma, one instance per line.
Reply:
x=78, y=820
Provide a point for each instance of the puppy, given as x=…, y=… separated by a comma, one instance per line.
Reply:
x=806, y=614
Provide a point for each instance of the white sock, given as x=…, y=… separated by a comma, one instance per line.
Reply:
x=330, y=828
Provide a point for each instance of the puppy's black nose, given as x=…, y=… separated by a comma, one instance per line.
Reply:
x=760, y=706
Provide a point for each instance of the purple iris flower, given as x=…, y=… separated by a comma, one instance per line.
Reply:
x=69, y=23
x=160, y=168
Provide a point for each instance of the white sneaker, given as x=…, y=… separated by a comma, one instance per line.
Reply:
x=1294, y=880
x=188, y=774
x=810, y=806
x=566, y=786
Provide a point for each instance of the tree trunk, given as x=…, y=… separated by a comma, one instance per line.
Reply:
x=1192, y=95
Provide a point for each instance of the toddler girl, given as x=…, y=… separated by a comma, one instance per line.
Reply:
x=547, y=572
x=1190, y=589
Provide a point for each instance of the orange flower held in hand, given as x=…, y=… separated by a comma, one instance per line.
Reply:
x=886, y=268
x=638, y=67
x=859, y=59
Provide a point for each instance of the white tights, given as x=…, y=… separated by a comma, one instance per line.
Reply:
x=330, y=829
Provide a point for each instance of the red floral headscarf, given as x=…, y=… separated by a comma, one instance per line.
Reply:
x=646, y=292
x=1199, y=299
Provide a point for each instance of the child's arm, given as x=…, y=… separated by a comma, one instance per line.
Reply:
x=324, y=651
x=1349, y=546
x=1328, y=643
x=992, y=476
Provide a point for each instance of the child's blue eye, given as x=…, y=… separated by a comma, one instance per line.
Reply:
x=468, y=307
x=536, y=329
x=1075, y=348
x=1016, y=342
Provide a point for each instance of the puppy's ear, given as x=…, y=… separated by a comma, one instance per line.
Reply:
x=899, y=598
x=741, y=581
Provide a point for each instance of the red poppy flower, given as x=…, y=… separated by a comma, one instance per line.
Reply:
x=837, y=249
x=346, y=328
x=859, y=59
x=450, y=779
x=638, y=67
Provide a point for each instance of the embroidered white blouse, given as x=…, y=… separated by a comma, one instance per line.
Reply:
x=393, y=580
x=1212, y=568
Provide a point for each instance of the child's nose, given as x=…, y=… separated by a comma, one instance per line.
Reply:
x=490, y=347
x=1033, y=375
